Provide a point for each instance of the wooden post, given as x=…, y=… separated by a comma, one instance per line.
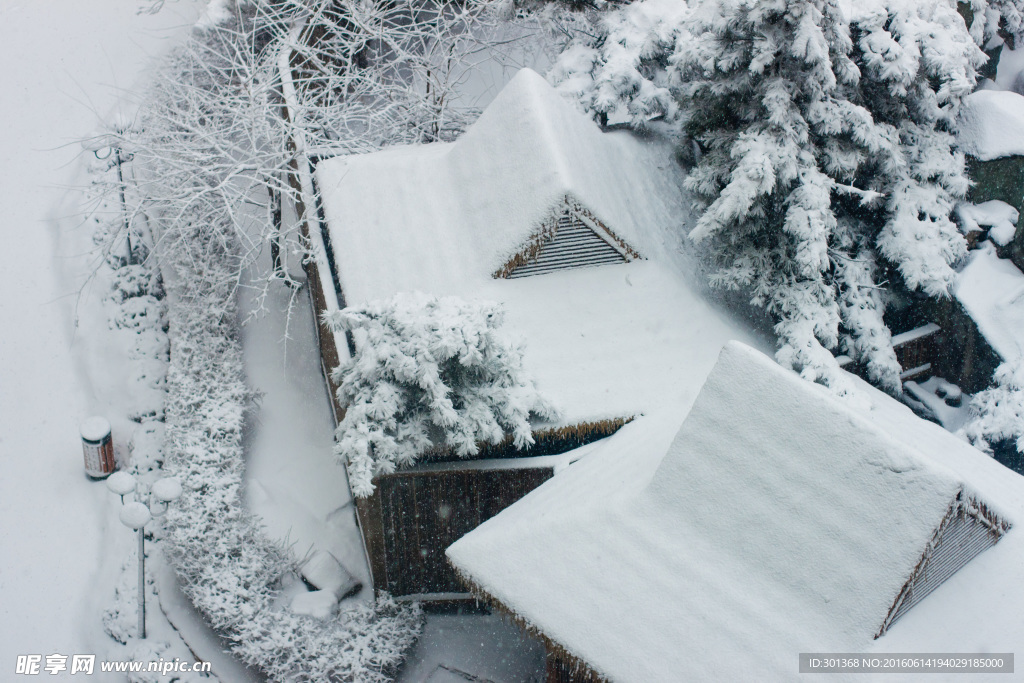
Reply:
x=142, y=582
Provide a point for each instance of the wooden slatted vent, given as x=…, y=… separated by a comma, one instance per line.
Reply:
x=967, y=530
x=574, y=244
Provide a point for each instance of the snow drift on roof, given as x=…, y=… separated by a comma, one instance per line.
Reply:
x=991, y=124
x=779, y=520
x=441, y=217
x=991, y=289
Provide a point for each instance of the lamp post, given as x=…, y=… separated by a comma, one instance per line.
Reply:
x=136, y=514
x=102, y=146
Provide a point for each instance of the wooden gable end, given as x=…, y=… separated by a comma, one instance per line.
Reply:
x=574, y=238
x=967, y=530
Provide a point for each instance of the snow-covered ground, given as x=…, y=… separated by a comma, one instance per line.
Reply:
x=66, y=66
x=292, y=479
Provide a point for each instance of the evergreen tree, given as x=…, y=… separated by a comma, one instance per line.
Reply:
x=427, y=373
x=621, y=66
x=768, y=88
x=827, y=170
x=997, y=413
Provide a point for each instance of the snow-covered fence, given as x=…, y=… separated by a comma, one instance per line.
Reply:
x=451, y=497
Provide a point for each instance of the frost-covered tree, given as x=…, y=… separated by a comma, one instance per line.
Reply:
x=918, y=64
x=620, y=65
x=997, y=413
x=769, y=90
x=427, y=373
x=993, y=22
x=826, y=168
x=214, y=145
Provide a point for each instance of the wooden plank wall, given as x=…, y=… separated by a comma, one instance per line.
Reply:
x=563, y=668
x=412, y=517
x=918, y=352
x=324, y=335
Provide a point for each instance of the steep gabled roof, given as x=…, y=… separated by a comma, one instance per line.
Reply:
x=441, y=217
x=775, y=520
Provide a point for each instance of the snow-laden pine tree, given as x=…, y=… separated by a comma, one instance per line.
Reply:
x=993, y=22
x=770, y=90
x=428, y=373
x=827, y=170
x=619, y=67
x=918, y=63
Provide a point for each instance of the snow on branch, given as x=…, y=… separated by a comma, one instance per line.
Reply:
x=428, y=372
x=820, y=140
x=997, y=413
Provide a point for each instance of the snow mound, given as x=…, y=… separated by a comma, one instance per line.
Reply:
x=121, y=483
x=323, y=571
x=991, y=124
x=777, y=520
x=316, y=604
x=991, y=289
x=998, y=216
x=135, y=515
x=95, y=429
x=167, y=489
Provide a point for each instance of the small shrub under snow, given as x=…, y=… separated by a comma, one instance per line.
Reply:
x=428, y=372
x=998, y=412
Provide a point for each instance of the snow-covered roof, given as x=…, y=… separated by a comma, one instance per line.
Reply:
x=776, y=520
x=444, y=216
x=601, y=342
x=991, y=290
x=991, y=124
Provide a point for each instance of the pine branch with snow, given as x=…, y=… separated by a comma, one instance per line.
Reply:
x=619, y=67
x=766, y=88
x=997, y=413
x=993, y=22
x=428, y=372
x=918, y=65
x=864, y=334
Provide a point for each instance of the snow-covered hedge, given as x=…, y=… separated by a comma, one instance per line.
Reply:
x=227, y=566
x=428, y=372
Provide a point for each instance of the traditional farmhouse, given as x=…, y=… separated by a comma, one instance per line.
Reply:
x=570, y=228
x=778, y=519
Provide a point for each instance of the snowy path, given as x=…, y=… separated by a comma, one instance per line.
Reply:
x=292, y=481
x=63, y=61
